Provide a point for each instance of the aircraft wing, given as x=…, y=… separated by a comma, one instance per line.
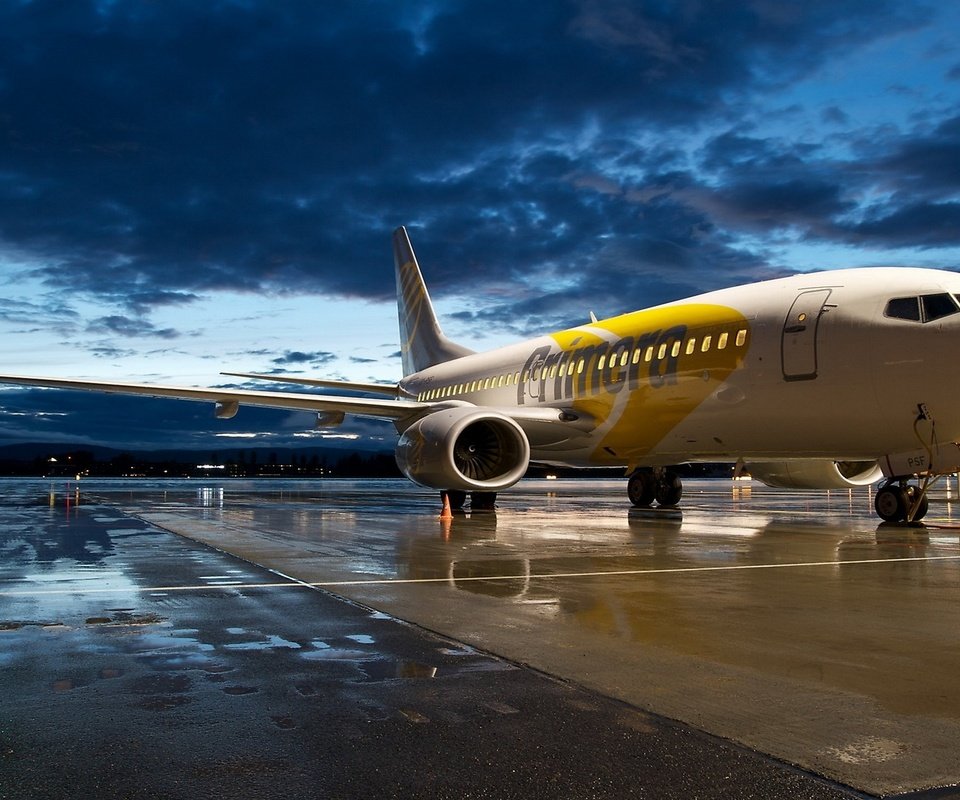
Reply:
x=386, y=389
x=363, y=406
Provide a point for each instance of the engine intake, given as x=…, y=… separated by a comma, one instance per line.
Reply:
x=815, y=474
x=464, y=448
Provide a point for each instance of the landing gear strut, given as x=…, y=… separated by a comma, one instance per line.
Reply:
x=646, y=485
x=479, y=501
x=899, y=501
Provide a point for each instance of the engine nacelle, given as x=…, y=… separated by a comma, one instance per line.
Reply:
x=815, y=474
x=464, y=448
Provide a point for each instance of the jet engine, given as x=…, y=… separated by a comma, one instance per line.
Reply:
x=815, y=474
x=468, y=449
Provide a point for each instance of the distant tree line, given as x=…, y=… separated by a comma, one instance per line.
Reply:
x=235, y=464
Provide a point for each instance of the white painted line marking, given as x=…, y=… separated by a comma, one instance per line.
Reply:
x=536, y=576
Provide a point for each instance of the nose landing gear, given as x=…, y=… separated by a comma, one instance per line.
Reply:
x=899, y=501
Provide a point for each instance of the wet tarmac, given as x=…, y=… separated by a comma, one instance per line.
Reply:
x=192, y=638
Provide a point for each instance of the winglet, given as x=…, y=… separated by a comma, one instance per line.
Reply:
x=422, y=343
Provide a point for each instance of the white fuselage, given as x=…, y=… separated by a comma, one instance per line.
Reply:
x=812, y=366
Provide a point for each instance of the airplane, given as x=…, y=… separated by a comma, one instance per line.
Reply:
x=820, y=380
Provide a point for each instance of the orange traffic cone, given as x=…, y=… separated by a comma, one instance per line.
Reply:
x=446, y=513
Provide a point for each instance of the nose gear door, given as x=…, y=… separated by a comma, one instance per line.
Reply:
x=798, y=346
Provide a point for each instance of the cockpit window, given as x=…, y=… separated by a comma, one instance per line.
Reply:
x=936, y=306
x=904, y=308
x=925, y=308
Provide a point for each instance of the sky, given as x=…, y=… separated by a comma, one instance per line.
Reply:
x=187, y=187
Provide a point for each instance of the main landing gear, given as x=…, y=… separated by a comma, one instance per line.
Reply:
x=647, y=485
x=479, y=501
x=899, y=501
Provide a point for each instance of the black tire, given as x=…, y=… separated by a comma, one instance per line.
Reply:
x=891, y=504
x=483, y=501
x=457, y=499
x=642, y=489
x=669, y=490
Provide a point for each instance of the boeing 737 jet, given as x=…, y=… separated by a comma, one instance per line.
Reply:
x=821, y=380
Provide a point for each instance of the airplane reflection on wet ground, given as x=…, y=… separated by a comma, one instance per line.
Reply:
x=789, y=623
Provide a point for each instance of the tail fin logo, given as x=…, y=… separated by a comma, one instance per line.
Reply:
x=422, y=343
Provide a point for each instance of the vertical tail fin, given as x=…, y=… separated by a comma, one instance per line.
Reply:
x=422, y=343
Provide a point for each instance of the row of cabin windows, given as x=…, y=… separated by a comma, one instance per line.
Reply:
x=704, y=345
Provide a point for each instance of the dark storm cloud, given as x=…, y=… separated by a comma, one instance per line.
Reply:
x=298, y=357
x=126, y=326
x=920, y=224
x=925, y=162
x=160, y=150
x=51, y=314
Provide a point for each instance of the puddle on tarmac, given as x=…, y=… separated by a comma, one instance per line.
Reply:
x=177, y=661
x=361, y=638
x=336, y=654
x=240, y=690
x=272, y=642
x=126, y=618
x=386, y=669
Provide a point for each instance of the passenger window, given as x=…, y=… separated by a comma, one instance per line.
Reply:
x=722, y=341
x=603, y=360
x=675, y=350
x=580, y=366
x=662, y=351
x=691, y=346
x=904, y=308
x=648, y=355
x=706, y=344
x=623, y=358
x=937, y=306
x=636, y=355
x=741, y=337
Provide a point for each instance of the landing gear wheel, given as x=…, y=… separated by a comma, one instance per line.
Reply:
x=669, y=489
x=456, y=498
x=642, y=489
x=891, y=504
x=483, y=501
